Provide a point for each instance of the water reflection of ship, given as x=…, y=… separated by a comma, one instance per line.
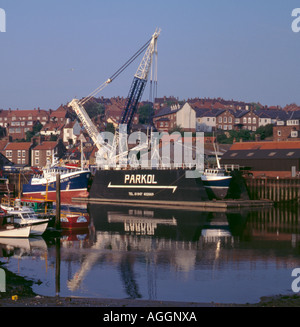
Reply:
x=141, y=222
x=184, y=241
x=22, y=246
x=119, y=232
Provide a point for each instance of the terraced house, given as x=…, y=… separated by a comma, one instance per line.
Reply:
x=18, y=152
x=18, y=122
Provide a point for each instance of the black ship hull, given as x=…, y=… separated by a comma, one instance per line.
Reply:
x=147, y=185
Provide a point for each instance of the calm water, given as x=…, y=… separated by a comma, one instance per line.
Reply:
x=165, y=255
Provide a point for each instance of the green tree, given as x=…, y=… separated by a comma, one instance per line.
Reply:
x=265, y=131
x=35, y=130
x=110, y=128
x=94, y=109
x=145, y=113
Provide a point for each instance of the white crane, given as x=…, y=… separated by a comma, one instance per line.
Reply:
x=135, y=94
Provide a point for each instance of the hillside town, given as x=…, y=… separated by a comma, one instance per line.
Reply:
x=30, y=138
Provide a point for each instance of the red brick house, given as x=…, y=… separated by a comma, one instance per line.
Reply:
x=247, y=119
x=18, y=122
x=45, y=151
x=18, y=152
x=226, y=120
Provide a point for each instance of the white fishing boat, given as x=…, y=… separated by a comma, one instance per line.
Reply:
x=216, y=180
x=25, y=216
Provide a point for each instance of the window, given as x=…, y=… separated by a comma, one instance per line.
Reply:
x=8, y=153
x=233, y=154
x=250, y=154
x=225, y=127
x=294, y=134
x=29, y=123
x=237, y=120
x=272, y=154
x=220, y=119
x=23, y=153
x=19, y=153
x=229, y=120
x=230, y=127
x=48, y=154
x=23, y=161
x=249, y=120
x=254, y=120
x=36, y=161
x=245, y=120
x=225, y=119
x=290, y=154
x=37, y=153
x=279, y=133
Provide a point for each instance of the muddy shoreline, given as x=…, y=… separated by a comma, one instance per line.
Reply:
x=19, y=294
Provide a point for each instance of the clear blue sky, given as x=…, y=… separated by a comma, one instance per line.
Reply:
x=56, y=50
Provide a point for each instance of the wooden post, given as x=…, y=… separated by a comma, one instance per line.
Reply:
x=57, y=220
x=57, y=266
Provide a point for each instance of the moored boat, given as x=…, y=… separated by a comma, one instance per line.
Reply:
x=74, y=221
x=11, y=229
x=217, y=182
x=25, y=216
x=73, y=183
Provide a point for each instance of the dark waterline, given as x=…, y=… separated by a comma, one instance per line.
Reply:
x=225, y=257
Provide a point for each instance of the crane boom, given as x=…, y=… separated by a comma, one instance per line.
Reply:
x=139, y=82
x=135, y=94
x=86, y=121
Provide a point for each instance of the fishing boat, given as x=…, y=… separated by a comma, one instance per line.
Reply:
x=73, y=183
x=216, y=180
x=74, y=220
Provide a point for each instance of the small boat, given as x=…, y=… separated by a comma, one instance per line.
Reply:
x=41, y=207
x=216, y=180
x=11, y=229
x=74, y=221
x=26, y=216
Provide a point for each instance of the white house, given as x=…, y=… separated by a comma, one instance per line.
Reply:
x=186, y=118
x=71, y=131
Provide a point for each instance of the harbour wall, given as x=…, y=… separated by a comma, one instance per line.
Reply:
x=279, y=190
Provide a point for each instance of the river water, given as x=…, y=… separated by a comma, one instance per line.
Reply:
x=173, y=255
